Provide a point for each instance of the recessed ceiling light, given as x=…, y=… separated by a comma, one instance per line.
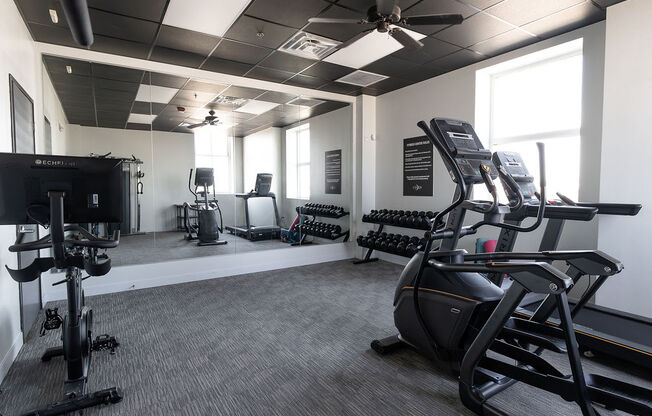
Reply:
x=155, y=94
x=141, y=118
x=69, y=69
x=361, y=78
x=368, y=49
x=256, y=107
x=214, y=17
x=53, y=16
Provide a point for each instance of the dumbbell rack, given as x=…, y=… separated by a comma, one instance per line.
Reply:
x=367, y=257
x=302, y=210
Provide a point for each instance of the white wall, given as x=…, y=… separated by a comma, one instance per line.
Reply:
x=53, y=110
x=453, y=95
x=626, y=147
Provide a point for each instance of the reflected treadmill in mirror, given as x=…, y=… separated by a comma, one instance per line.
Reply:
x=251, y=231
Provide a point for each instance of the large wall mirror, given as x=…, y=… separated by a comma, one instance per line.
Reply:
x=209, y=168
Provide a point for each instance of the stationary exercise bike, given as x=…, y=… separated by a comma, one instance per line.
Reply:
x=40, y=187
x=205, y=229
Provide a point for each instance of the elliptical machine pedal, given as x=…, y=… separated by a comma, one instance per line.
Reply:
x=387, y=345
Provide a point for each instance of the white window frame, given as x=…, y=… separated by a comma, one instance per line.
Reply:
x=296, y=165
x=224, y=158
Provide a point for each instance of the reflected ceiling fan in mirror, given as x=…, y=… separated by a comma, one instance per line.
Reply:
x=386, y=17
x=210, y=120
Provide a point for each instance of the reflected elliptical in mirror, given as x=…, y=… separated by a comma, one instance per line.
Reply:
x=209, y=168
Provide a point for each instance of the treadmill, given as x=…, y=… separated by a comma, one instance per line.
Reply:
x=598, y=329
x=258, y=232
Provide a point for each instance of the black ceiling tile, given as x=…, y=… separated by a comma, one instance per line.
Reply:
x=567, y=20
x=165, y=80
x=388, y=65
x=111, y=84
x=432, y=49
x=242, y=92
x=391, y=84
x=364, y=5
x=71, y=79
x=293, y=13
x=520, y=12
x=475, y=29
x=148, y=10
x=371, y=91
x=482, y=4
x=82, y=103
x=420, y=73
x=103, y=107
x=327, y=70
x=192, y=98
x=456, y=60
x=269, y=74
x=205, y=87
x=286, y=62
x=111, y=124
x=504, y=42
x=139, y=126
x=122, y=27
x=37, y=11
x=246, y=29
x=141, y=107
x=306, y=81
x=52, y=34
x=240, y=52
x=165, y=124
x=341, y=88
x=436, y=7
x=112, y=115
x=186, y=40
x=225, y=66
x=176, y=57
x=183, y=129
x=120, y=47
x=341, y=32
x=607, y=3
x=56, y=65
x=276, y=97
x=116, y=73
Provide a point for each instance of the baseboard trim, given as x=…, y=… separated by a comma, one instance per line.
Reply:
x=142, y=276
x=10, y=356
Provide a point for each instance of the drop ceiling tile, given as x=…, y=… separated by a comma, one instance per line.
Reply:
x=37, y=12
x=212, y=17
x=327, y=70
x=215, y=88
x=246, y=28
x=504, y=42
x=436, y=7
x=341, y=32
x=186, y=40
x=120, y=47
x=293, y=13
x=389, y=65
x=166, y=80
x=240, y=52
x=116, y=73
x=432, y=49
x=276, y=97
x=122, y=27
x=391, y=84
x=242, y=92
x=286, y=62
x=141, y=118
x=225, y=66
x=138, y=126
x=155, y=94
x=269, y=74
x=111, y=84
x=456, y=60
x=520, y=12
x=306, y=81
x=141, y=107
x=567, y=20
x=374, y=92
x=607, y=3
x=420, y=73
x=56, y=65
x=482, y=4
x=71, y=79
x=52, y=34
x=475, y=29
x=364, y=5
x=148, y=10
x=104, y=106
x=188, y=98
x=340, y=88
x=176, y=57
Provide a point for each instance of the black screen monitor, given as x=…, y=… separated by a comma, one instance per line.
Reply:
x=92, y=187
x=204, y=177
x=263, y=184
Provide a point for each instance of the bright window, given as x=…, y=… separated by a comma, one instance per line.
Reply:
x=297, y=162
x=214, y=149
x=535, y=98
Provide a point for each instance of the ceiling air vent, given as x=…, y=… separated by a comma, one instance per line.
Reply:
x=361, y=78
x=304, y=102
x=309, y=46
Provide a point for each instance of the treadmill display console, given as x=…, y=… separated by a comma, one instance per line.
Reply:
x=515, y=166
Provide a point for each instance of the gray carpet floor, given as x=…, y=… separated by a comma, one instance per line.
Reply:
x=285, y=342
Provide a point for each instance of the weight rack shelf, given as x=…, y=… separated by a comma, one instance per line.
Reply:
x=418, y=245
x=334, y=212
x=313, y=212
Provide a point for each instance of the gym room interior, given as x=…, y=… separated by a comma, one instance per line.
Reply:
x=325, y=207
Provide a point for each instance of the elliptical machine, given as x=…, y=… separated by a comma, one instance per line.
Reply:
x=205, y=229
x=447, y=309
x=51, y=191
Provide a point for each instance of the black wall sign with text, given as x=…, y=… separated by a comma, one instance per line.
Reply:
x=333, y=172
x=417, y=167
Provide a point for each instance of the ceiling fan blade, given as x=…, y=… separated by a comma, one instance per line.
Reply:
x=330, y=20
x=193, y=126
x=433, y=19
x=385, y=7
x=355, y=38
x=404, y=39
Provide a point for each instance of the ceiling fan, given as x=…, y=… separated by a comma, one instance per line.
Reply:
x=210, y=120
x=386, y=17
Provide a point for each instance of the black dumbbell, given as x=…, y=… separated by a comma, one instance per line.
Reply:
x=410, y=250
x=391, y=247
x=400, y=248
